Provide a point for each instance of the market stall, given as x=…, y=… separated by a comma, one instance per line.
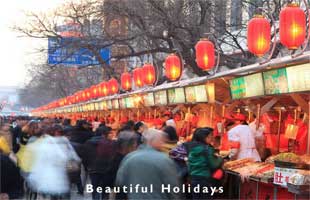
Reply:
x=274, y=96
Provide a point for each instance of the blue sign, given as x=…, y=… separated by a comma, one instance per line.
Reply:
x=65, y=51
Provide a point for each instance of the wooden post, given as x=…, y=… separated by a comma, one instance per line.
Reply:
x=279, y=130
x=258, y=116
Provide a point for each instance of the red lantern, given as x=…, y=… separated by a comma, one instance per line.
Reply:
x=126, y=81
x=173, y=67
x=94, y=91
x=84, y=95
x=259, y=35
x=71, y=100
x=292, y=26
x=105, y=89
x=137, y=77
x=205, y=57
x=78, y=96
x=149, y=74
x=113, y=86
x=88, y=93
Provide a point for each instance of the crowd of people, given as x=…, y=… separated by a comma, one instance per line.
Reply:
x=46, y=157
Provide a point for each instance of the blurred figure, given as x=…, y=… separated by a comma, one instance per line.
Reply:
x=82, y=132
x=53, y=157
x=147, y=166
x=204, y=166
x=68, y=128
x=126, y=143
x=139, y=128
x=11, y=180
x=128, y=126
x=25, y=155
x=16, y=132
x=98, y=156
x=171, y=139
x=168, y=120
x=5, y=133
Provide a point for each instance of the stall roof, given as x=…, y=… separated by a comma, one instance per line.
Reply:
x=225, y=75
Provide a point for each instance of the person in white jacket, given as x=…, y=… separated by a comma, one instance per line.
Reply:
x=49, y=172
x=242, y=140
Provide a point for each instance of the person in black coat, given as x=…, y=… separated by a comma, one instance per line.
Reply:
x=98, y=153
x=11, y=180
x=81, y=133
x=139, y=128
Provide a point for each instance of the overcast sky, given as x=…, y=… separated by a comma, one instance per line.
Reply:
x=16, y=53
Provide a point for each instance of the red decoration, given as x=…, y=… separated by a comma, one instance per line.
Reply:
x=173, y=67
x=88, y=93
x=126, y=81
x=138, y=77
x=113, y=84
x=149, y=74
x=259, y=35
x=105, y=90
x=84, y=95
x=205, y=57
x=94, y=91
x=292, y=26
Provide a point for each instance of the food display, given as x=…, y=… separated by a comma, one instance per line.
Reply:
x=247, y=168
x=231, y=165
x=302, y=177
x=290, y=158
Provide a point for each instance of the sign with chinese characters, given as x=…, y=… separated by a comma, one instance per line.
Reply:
x=161, y=97
x=115, y=104
x=67, y=51
x=122, y=103
x=129, y=102
x=149, y=99
x=247, y=86
x=282, y=175
x=298, y=78
x=276, y=81
x=196, y=93
x=176, y=95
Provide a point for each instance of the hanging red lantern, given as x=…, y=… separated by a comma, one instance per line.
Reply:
x=71, y=100
x=205, y=57
x=94, y=91
x=292, y=26
x=105, y=89
x=149, y=74
x=259, y=35
x=113, y=84
x=126, y=81
x=88, y=93
x=137, y=77
x=173, y=67
x=84, y=95
x=78, y=96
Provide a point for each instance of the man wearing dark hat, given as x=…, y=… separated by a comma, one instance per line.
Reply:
x=242, y=140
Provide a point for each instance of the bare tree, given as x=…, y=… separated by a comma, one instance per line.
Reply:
x=152, y=28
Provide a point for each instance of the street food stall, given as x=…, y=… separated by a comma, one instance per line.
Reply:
x=276, y=95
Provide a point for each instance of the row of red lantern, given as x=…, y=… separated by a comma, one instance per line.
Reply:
x=141, y=76
x=292, y=28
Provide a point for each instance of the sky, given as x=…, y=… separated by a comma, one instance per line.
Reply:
x=16, y=52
